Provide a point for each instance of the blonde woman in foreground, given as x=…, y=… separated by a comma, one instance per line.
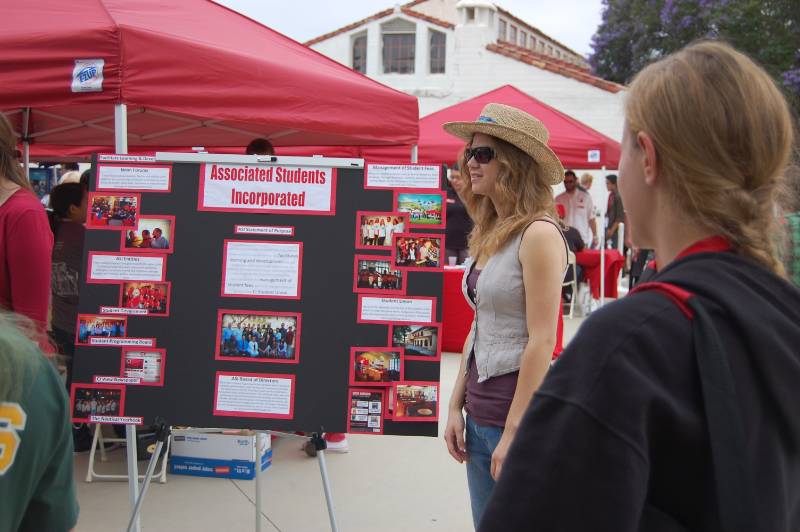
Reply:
x=513, y=282
x=676, y=408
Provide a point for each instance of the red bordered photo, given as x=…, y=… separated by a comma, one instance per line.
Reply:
x=299, y=245
x=374, y=229
x=425, y=208
x=239, y=413
x=376, y=366
x=366, y=408
x=201, y=195
x=420, y=252
x=396, y=315
x=146, y=364
x=115, y=211
x=96, y=400
x=152, y=296
x=156, y=259
x=154, y=233
x=103, y=165
x=98, y=326
x=420, y=341
x=375, y=275
x=258, y=336
x=371, y=169
x=415, y=401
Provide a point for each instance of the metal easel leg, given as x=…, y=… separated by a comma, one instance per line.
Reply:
x=133, y=476
x=321, y=445
x=161, y=435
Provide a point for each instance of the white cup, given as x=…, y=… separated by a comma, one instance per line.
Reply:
x=451, y=261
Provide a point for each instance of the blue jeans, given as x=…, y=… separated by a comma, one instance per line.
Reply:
x=481, y=441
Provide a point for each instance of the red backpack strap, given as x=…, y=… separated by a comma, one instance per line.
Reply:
x=679, y=296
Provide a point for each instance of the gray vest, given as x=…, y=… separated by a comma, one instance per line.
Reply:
x=499, y=329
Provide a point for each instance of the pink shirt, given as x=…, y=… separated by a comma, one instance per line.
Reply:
x=26, y=245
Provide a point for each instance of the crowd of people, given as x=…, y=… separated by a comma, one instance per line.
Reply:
x=114, y=212
x=417, y=252
x=95, y=406
x=147, y=296
x=112, y=328
x=244, y=339
x=378, y=230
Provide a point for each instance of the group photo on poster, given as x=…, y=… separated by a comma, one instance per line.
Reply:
x=419, y=341
x=258, y=336
x=112, y=211
x=418, y=251
x=375, y=366
x=146, y=295
x=96, y=400
x=375, y=229
x=376, y=275
x=424, y=209
x=152, y=234
x=94, y=326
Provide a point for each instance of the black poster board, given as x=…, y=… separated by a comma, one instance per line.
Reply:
x=186, y=330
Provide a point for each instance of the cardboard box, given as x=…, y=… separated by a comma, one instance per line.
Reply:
x=221, y=455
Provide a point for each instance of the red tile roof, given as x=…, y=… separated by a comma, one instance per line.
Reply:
x=405, y=9
x=553, y=65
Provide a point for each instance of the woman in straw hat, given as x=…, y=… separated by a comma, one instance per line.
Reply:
x=513, y=282
x=676, y=408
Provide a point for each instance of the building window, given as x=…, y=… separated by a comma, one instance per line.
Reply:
x=470, y=14
x=523, y=39
x=533, y=42
x=360, y=53
x=558, y=54
x=512, y=36
x=399, y=46
x=549, y=50
x=438, y=43
x=501, y=34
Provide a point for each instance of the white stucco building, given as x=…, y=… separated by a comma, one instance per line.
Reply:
x=445, y=51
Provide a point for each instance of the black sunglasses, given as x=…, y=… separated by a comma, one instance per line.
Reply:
x=481, y=154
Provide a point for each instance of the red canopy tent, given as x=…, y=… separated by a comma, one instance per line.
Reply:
x=180, y=73
x=576, y=144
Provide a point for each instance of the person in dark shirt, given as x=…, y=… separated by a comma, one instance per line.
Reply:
x=615, y=212
x=627, y=433
x=459, y=224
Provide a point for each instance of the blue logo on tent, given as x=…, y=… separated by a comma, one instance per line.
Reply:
x=87, y=73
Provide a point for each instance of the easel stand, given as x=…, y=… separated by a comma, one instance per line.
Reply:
x=162, y=434
x=315, y=444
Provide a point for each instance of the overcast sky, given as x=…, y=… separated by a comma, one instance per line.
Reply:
x=573, y=22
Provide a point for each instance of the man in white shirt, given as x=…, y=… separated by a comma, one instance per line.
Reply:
x=579, y=208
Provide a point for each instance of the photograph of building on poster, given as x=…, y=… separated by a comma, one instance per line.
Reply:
x=419, y=342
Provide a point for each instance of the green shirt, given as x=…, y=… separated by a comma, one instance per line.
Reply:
x=37, y=489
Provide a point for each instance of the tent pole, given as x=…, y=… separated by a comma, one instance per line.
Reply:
x=603, y=254
x=26, y=148
x=414, y=153
x=121, y=128
x=121, y=146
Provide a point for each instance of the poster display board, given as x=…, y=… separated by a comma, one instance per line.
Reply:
x=203, y=279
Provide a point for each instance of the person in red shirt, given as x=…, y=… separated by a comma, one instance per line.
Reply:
x=26, y=241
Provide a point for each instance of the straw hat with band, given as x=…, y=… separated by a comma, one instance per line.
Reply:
x=515, y=127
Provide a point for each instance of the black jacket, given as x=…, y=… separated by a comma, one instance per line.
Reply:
x=616, y=438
